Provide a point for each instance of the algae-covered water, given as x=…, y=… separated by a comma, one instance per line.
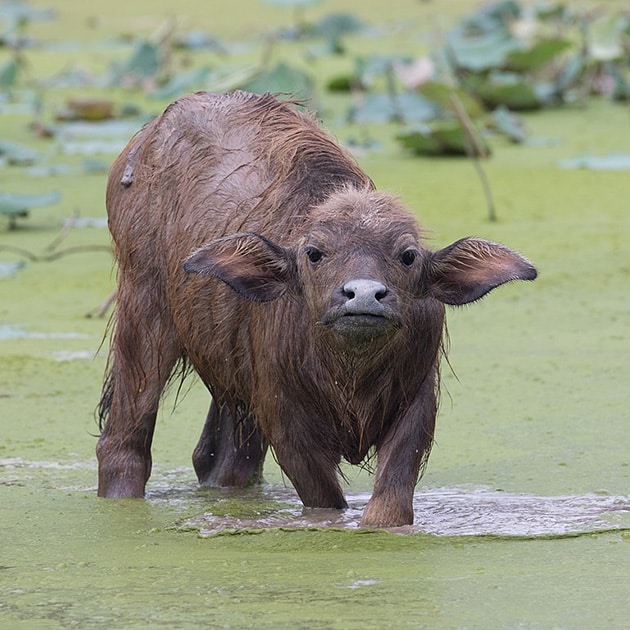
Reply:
x=522, y=519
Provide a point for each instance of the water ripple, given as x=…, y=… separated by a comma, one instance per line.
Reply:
x=445, y=512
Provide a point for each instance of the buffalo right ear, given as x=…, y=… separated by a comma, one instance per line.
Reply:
x=252, y=265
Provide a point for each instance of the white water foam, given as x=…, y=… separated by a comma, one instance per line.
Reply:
x=450, y=512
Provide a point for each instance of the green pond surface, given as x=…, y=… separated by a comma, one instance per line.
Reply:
x=522, y=519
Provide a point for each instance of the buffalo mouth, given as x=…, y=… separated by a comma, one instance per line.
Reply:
x=360, y=326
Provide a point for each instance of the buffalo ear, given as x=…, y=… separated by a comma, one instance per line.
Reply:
x=469, y=268
x=252, y=265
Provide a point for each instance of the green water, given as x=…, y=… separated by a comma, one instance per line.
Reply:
x=71, y=560
x=522, y=518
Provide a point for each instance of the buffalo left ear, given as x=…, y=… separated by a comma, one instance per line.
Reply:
x=252, y=265
x=469, y=268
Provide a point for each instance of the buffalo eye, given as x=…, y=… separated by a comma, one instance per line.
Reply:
x=314, y=255
x=408, y=257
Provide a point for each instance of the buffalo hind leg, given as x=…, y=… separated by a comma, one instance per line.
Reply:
x=228, y=453
x=142, y=355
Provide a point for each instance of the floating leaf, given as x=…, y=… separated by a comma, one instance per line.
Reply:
x=370, y=68
x=341, y=83
x=334, y=26
x=612, y=162
x=119, y=129
x=143, y=64
x=442, y=95
x=227, y=79
x=337, y=24
x=16, y=205
x=198, y=40
x=483, y=52
x=95, y=138
x=621, y=85
x=22, y=12
x=548, y=12
x=93, y=147
x=384, y=107
x=181, y=83
x=445, y=137
x=282, y=79
x=491, y=16
x=571, y=73
x=510, y=90
x=145, y=60
x=53, y=170
x=537, y=56
x=17, y=154
x=12, y=203
x=9, y=73
x=507, y=123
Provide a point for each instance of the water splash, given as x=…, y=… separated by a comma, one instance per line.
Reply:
x=444, y=512
x=452, y=511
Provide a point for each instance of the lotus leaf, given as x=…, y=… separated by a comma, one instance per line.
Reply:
x=446, y=137
x=282, y=79
x=612, y=162
x=537, y=56
x=442, y=95
x=182, y=83
x=510, y=90
x=507, y=123
x=384, y=107
x=482, y=52
x=17, y=154
x=16, y=205
x=9, y=71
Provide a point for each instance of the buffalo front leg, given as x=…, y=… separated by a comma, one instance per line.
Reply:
x=229, y=453
x=310, y=463
x=142, y=355
x=400, y=458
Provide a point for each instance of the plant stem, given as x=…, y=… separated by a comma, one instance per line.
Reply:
x=475, y=150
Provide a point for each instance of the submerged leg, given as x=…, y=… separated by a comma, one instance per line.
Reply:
x=400, y=458
x=229, y=453
x=143, y=353
x=308, y=459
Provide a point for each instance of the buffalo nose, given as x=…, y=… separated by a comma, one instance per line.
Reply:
x=364, y=295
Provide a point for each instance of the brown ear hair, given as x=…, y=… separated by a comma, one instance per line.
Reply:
x=252, y=265
x=469, y=268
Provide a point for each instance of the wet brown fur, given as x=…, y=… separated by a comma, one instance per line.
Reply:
x=212, y=166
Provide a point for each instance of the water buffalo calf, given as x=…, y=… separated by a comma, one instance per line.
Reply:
x=253, y=249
